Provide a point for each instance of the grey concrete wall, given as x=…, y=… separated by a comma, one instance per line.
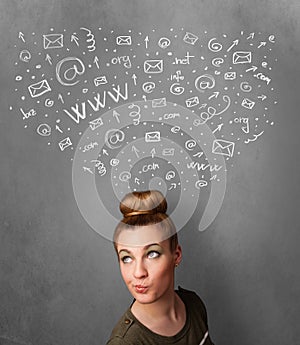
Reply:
x=59, y=280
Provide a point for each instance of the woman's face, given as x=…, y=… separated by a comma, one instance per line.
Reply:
x=147, y=263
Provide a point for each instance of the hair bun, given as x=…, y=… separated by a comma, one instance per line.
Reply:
x=143, y=203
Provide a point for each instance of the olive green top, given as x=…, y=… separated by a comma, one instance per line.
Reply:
x=129, y=331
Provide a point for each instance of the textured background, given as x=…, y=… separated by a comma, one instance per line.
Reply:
x=59, y=280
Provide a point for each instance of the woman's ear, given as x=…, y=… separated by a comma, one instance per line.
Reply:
x=177, y=255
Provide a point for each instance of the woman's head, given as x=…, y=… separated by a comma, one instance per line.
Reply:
x=147, y=246
x=143, y=209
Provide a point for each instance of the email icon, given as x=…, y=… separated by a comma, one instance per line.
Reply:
x=230, y=75
x=65, y=143
x=247, y=103
x=123, y=40
x=152, y=137
x=223, y=147
x=192, y=102
x=241, y=57
x=39, y=88
x=153, y=66
x=94, y=124
x=52, y=41
x=168, y=152
x=100, y=80
x=159, y=102
x=190, y=38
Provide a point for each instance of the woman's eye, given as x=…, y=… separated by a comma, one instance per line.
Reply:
x=153, y=254
x=126, y=259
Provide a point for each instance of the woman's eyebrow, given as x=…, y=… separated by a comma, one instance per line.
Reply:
x=144, y=248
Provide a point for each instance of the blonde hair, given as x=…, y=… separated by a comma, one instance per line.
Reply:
x=146, y=208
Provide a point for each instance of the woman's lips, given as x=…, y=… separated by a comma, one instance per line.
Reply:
x=140, y=288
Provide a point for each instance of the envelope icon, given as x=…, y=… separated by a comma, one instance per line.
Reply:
x=230, y=75
x=123, y=40
x=168, y=152
x=191, y=102
x=100, y=80
x=190, y=38
x=96, y=123
x=65, y=143
x=39, y=88
x=241, y=57
x=223, y=147
x=152, y=137
x=153, y=66
x=159, y=102
x=52, y=41
x=247, y=103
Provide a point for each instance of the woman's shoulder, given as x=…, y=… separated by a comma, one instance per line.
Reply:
x=124, y=331
x=193, y=301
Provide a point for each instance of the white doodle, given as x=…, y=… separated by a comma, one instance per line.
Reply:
x=134, y=77
x=170, y=116
x=262, y=77
x=94, y=124
x=21, y=36
x=28, y=114
x=190, y=38
x=96, y=62
x=230, y=75
x=205, y=81
x=153, y=66
x=248, y=103
x=234, y=43
x=114, y=138
x=122, y=60
x=53, y=41
x=48, y=59
x=177, y=76
x=176, y=89
x=125, y=176
x=124, y=40
x=214, y=46
x=25, y=56
x=159, y=102
x=190, y=144
x=114, y=162
x=168, y=151
x=164, y=42
x=90, y=40
x=90, y=146
x=146, y=40
x=245, y=86
x=243, y=120
x=152, y=137
x=65, y=143
x=217, y=62
x=100, y=167
x=203, y=166
x=241, y=57
x=255, y=137
x=192, y=102
x=74, y=39
x=101, y=80
x=150, y=167
x=211, y=111
x=70, y=73
x=38, y=89
x=183, y=61
x=175, y=129
x=49, y=103
x=148, y=86
x=135, y=113
x=200, y=184
x=170, y=175
x=223, y=147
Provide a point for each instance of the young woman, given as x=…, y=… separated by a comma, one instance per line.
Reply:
x=148, y=252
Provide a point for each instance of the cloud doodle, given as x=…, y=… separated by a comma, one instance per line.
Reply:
x=167, y=110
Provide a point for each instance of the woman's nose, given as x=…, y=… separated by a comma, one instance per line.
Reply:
x=140, y=270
